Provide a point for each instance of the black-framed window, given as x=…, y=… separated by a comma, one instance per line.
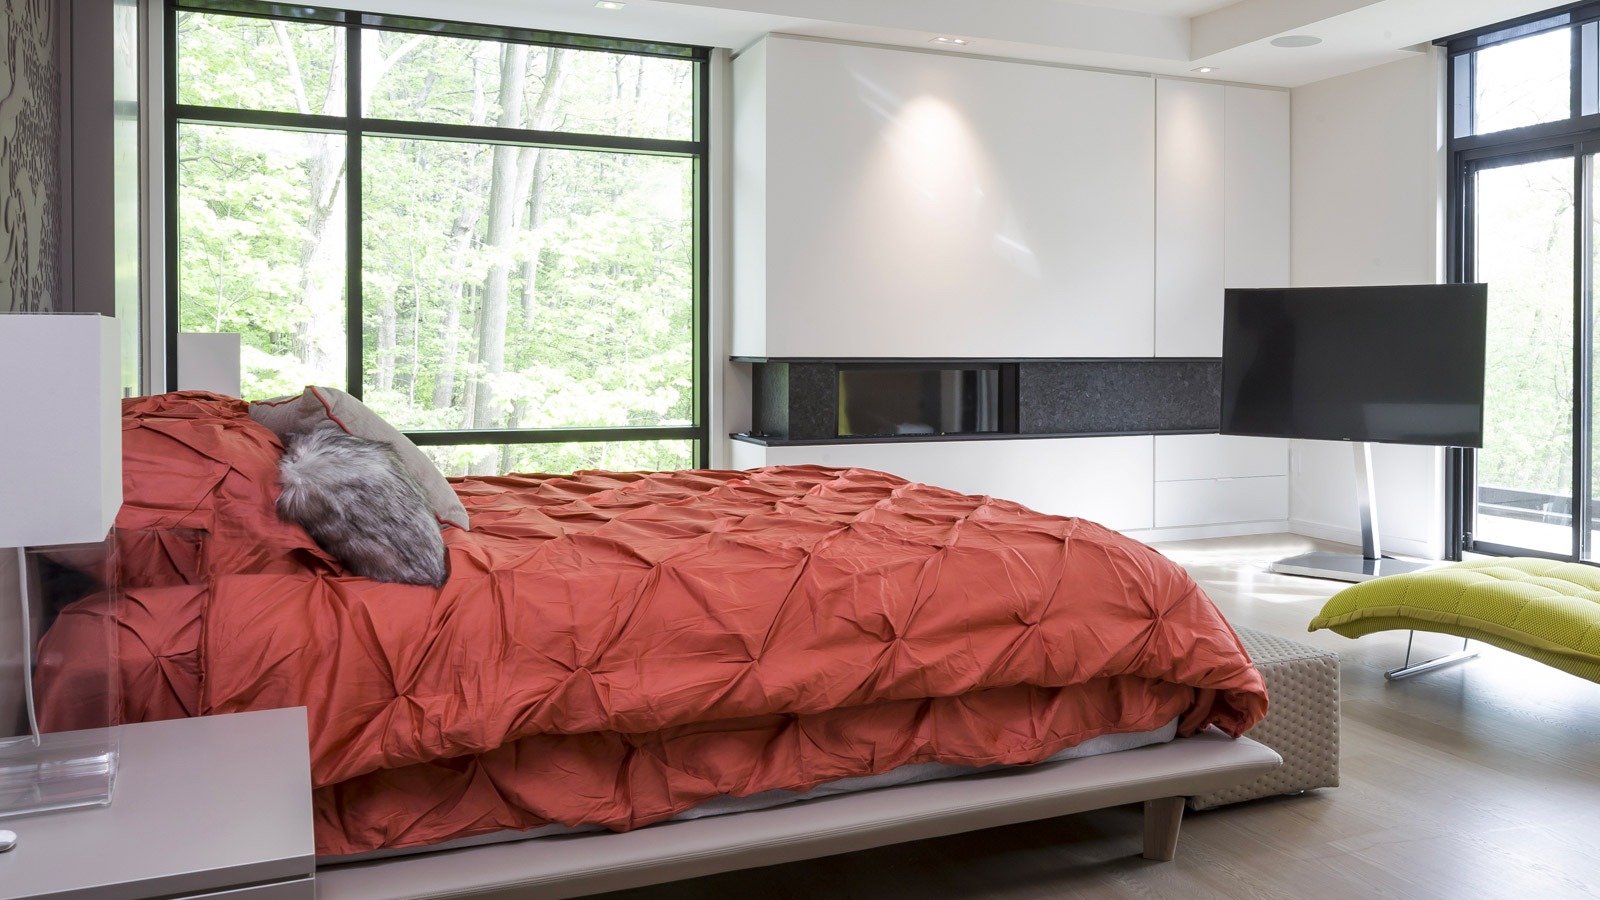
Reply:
x=494, y=236
x=1524, y=127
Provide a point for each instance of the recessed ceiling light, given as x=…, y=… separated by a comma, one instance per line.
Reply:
x=1296, y=40
x=949, y=41
x=609, y=4
x=1205, y=70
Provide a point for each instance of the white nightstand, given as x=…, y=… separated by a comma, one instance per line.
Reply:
x=212, y=807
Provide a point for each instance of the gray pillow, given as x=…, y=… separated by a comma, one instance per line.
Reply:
x=318, y=406
x=362, y=506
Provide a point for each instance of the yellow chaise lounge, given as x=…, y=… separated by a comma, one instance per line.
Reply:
x=1543, y=609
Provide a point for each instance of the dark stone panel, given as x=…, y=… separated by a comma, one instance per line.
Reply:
x=813, y=407
x=1119, y=396
x=770, y=394
x=798, y=401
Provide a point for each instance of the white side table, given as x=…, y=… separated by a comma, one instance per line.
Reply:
x=203, y=808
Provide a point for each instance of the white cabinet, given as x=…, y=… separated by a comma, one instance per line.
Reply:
x=1205, y=484
x=214, y=806
x=1107, y=479
x=1187, y=456
x=1190, y=227
x=900, y=204
x=1222, y=220
x=1222, y=205
x=1213, y=479
x=1221, y=501
x=926, y=205
x=1256, y=188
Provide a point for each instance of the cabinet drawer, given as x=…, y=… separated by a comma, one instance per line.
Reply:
x=298, y=889
x=1185, y=457
x=1215, y=501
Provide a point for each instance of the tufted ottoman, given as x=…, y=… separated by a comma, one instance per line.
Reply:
x=1302, y=723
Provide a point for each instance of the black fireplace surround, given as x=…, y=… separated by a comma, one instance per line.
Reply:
x=797, y=400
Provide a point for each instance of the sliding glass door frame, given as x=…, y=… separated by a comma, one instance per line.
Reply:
x=1463, y=464
x=1575, y=137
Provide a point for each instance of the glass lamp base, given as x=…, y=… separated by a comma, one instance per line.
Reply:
x=64, y=770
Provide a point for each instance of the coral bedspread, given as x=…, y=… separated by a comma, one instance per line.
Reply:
x=615, y=648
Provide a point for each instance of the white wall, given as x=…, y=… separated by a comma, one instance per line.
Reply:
x=1368, y=208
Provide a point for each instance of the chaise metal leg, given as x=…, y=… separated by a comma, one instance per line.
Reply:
x=1161, y=821
x=1428, y=665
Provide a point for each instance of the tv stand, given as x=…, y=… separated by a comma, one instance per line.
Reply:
x=1347, y=566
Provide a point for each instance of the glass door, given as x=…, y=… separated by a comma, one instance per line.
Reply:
x=1524, y=128
x=1522, y=244
x=1588, y=534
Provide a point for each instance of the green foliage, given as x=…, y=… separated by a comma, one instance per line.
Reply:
x=242, y=200
x=238, y=62
x=457, y=81
x=1525, y=254
x=598, y=265
x=615, y=456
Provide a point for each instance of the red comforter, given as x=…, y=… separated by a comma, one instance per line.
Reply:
x=616, y=648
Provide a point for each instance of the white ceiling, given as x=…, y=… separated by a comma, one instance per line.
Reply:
x=1184, y=8
x=1169, y=37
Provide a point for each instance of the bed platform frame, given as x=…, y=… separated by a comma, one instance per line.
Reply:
x=1158, y=776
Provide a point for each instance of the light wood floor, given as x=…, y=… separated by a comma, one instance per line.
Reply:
x=1481, y=780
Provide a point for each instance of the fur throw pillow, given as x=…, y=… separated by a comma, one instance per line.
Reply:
x=362, y=506
x=319, y=407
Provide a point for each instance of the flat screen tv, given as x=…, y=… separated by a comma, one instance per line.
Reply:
x=1396, y=364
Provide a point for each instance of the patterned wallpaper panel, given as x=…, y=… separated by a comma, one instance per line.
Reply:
x=30, y=138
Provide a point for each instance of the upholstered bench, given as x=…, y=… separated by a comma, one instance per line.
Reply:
x=1543, y=609
x=1302, y=722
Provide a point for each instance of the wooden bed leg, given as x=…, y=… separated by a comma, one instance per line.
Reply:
x=1161, y=820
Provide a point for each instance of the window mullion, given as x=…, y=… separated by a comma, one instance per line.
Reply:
x=581, y=434
x=1585, y=69
x=352, y=185
x=527, y=137
x=1581, y=331
x=256, y=118
x=1574, y=67
x=170, y=165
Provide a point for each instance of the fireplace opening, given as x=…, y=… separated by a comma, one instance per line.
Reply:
x=878, y=400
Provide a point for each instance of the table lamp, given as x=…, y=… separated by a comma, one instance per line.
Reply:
x=60, y=484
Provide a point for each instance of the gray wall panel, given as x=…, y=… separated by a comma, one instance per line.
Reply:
x=30, y=146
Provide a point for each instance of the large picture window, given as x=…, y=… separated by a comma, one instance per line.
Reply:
x=494, y=237
x=1525, y=129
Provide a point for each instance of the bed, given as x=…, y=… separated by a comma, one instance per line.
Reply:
x=613, y=650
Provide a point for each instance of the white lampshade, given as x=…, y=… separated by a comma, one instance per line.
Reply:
x=60, y=428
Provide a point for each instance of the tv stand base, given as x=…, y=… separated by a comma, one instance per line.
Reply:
x=1344, y=566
